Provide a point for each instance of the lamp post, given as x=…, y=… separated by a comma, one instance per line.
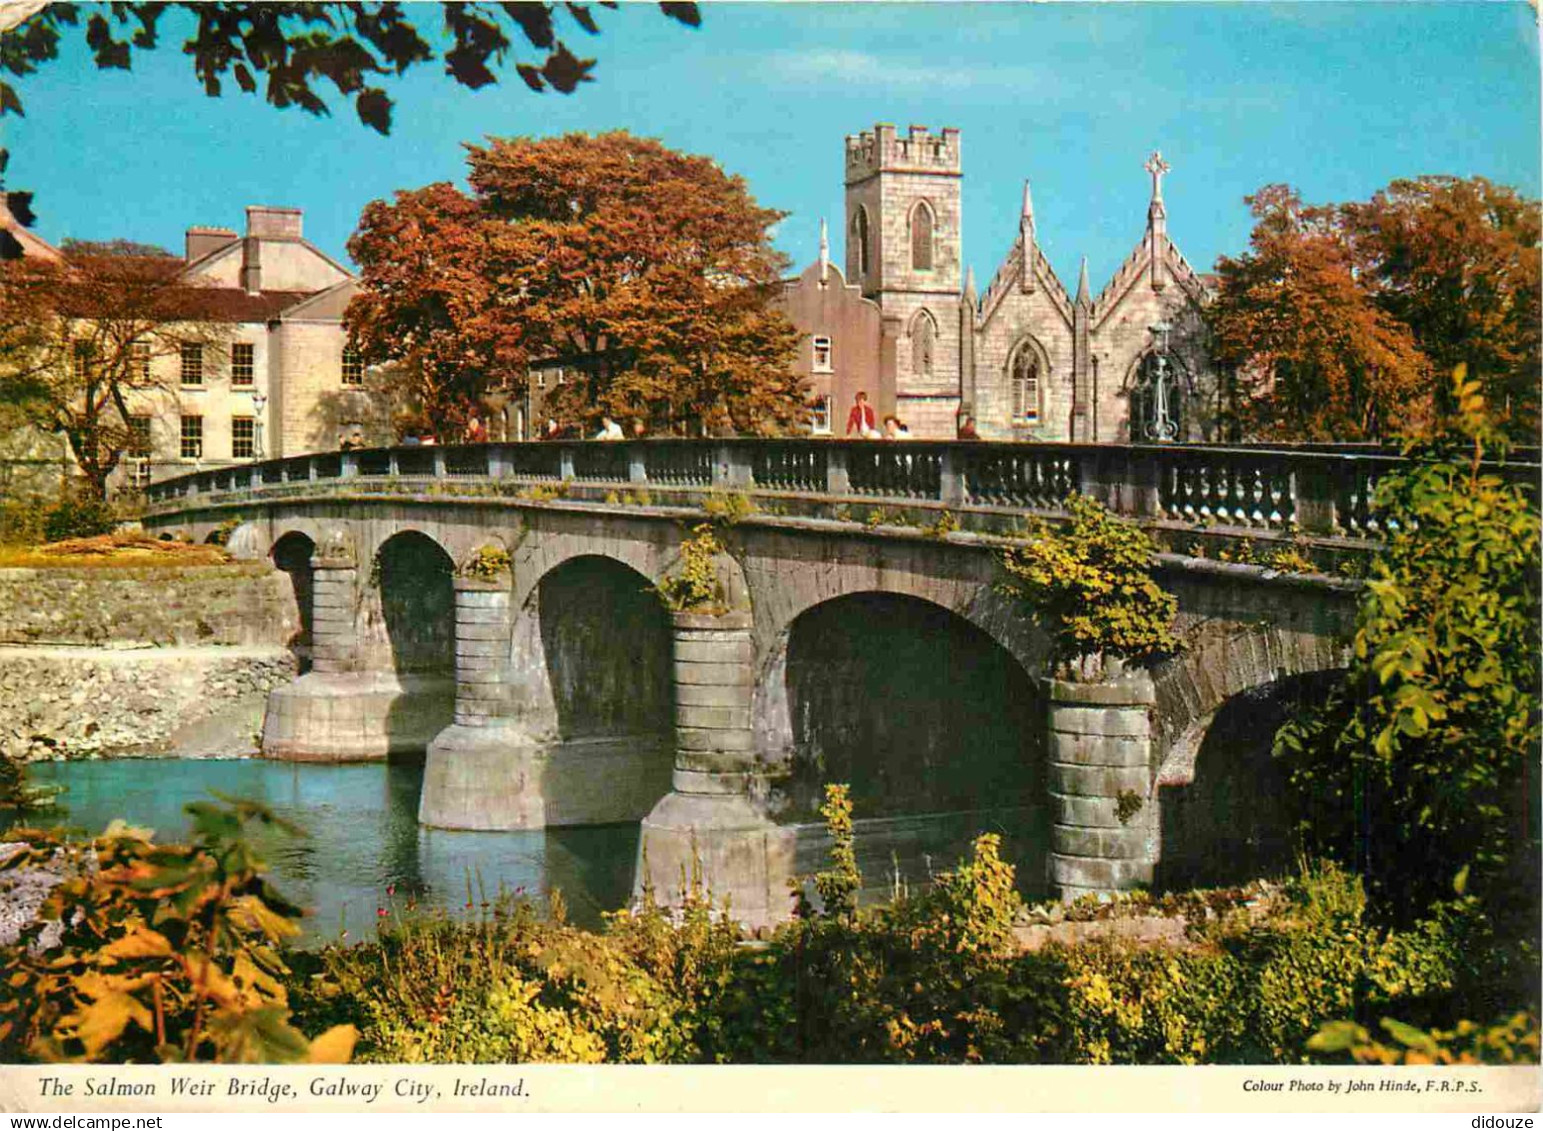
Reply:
x=1161, y=427
x=259, y=402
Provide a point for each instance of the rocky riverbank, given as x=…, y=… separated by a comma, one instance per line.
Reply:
x=128, y=661
x=70, y=702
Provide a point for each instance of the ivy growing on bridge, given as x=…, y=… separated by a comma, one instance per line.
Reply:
x=693, y=586
x=1089, y=584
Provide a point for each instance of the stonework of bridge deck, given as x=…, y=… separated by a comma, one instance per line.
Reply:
x=566, y=694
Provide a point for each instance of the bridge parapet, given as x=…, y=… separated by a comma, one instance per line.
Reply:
x=1317, y=490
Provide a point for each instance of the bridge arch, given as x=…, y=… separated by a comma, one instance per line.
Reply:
x=605, y=647
x=411, y=575
x=291, y=554
x=929, y=712
x=1224, y=812
x=1219, y=704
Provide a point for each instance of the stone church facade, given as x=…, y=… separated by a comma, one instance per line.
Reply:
x=1026, y=358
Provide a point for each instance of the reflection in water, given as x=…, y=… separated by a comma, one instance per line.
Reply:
x=362, y=836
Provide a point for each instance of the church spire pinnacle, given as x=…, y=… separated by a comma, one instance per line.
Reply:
x=1157, y=221
x=1157, y=212
x=1026, y=237
x=969, y=284
x=824, y=250
x=1082, y=284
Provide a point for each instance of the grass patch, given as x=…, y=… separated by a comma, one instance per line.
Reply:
x=111, y=551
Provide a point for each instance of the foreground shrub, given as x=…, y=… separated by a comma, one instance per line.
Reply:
x=1419, y=772
x=1511, y=1041
x=514, y=987
x=937, y=977
x=81, y=516
x=162, y=952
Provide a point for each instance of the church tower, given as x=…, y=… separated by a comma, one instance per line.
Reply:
x=903, y=239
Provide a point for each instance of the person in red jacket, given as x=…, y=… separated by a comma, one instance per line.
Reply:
x=862, y=419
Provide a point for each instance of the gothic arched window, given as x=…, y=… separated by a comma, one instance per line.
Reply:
x=1025, y=376
x=921, y=236
x=858, y=254
x=924, y=337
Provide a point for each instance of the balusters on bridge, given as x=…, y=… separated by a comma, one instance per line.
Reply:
x=1322, y=492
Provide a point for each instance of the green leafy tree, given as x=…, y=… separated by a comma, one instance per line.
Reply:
x=294, y=47
x=1418, y=770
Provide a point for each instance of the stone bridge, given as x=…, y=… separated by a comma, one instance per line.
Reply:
x=497, y=606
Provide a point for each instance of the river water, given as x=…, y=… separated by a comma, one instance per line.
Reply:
x=362, y=837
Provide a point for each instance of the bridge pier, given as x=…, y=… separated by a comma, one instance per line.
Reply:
x=1105, y=834
x=340, y=711
x=484, y=770
x=709, y=825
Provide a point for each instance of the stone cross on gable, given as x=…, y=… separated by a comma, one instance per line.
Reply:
x=1157, y=167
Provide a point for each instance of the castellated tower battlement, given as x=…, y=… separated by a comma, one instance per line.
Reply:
x=883, y=150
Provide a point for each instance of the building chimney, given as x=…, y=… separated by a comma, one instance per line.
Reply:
x=264, y=222
x=251, y=265
x=201, y=241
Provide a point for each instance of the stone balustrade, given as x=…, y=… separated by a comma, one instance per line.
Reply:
x=1316, y=489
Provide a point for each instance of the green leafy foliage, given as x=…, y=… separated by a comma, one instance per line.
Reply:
x=295, y=46
x=79, y=516
x=164, y=952
x=1513, y=1040
x=693, y=586
x=728, y=507
x=1089, y=583
x=486, y=563
x=1417, y=770
x=512, y=987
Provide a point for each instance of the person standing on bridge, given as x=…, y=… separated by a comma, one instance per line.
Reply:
x=609, y=430
x=862, y=419
x=476, y=431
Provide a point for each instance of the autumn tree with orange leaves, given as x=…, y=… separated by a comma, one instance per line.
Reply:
x=1457, y=262
x=1342, y=322
x=649, y=273
x=1313, y=356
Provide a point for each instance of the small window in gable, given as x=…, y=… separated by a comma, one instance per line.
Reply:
x=923, y=344
x=822, y=353
x=921, y=237
x=1026, y=386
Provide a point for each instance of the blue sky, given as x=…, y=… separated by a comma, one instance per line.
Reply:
x=1335, y=98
